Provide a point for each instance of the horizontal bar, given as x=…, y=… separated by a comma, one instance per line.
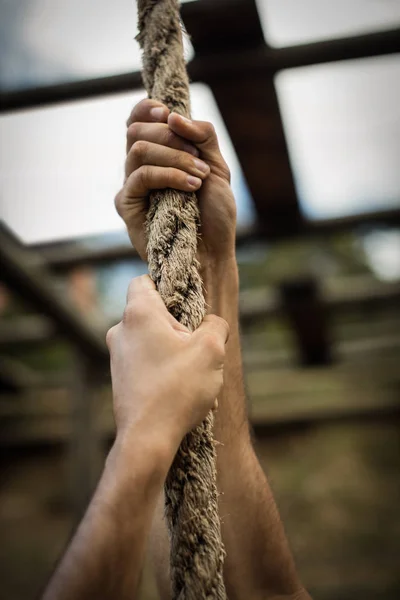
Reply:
x=68, y=257
x=262, y=61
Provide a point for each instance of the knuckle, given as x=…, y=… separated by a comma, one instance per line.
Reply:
x=170, y=177
x=140, y=177
x=137, y=308
x=146, y=103
x=181, y=160
x=132, y=133
x=208, y=129
x=134, y=313
x=139, y=149
x=110, y=336
x=129, y=316
x=226, y=172
x=169, y=138
x=231, y=211
x=131, y=289
x=224, y=324
x=213, y=345
x=119, y=203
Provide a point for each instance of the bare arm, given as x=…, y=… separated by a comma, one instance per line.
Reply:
x=114, y=531
x=155, y=405
x=162, y=152
x=259, y=564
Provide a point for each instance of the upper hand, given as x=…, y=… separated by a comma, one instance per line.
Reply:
x=165, y=379
x=167, y=150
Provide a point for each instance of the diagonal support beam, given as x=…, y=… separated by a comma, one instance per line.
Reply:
x=24, y=273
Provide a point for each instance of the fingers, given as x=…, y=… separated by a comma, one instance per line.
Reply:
x=149, y=153
x=153, y=122
x=147, y=178
x=158, y=133
x=203, y=135
x=148, y=111
x=145, y=306
x=143, y=302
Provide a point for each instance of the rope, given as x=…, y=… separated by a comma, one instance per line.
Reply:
x=197, y=552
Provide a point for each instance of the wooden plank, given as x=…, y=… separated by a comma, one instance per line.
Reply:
x=277, y=397
x=15, y=376
x=25, y=274
x=26, y=330
x=351, y=351
x=85, y=453
x=255, y=304
x=354, y=292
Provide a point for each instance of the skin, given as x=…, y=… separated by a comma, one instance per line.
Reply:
x=155, y=404
x=163, y=150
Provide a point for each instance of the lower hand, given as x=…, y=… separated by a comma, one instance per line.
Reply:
x=165, y=379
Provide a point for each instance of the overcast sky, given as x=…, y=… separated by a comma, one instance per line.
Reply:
x=61, y=166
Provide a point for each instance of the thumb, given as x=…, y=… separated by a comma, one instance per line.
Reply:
x=201, y=133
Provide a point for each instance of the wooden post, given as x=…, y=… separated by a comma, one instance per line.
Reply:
x=85, y=449
x=308, y=319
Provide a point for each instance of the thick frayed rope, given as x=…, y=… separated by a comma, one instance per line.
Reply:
x=197, y=552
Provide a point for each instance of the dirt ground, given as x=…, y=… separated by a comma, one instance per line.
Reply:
x=337, y=487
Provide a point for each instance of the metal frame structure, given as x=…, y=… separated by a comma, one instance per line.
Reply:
x=233, y=59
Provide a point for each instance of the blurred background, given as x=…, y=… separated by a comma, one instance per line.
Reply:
x=305, y=97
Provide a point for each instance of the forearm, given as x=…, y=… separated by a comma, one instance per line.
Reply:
x=221, y=284
x=105, y=557
x=258, y=562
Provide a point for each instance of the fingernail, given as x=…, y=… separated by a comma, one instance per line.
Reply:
x=200, y=165
x=191, y=149
x=158, y=113
x=194, y=181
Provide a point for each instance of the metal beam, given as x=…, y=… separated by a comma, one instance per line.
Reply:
x=265, y=61
x=250, y=110
x=68, y=92
x=25, y=274
x=261, y=60
x=62, y=258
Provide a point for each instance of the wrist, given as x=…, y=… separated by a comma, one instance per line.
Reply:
x=150, y=450
x=221, y=288
x=220, y=273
